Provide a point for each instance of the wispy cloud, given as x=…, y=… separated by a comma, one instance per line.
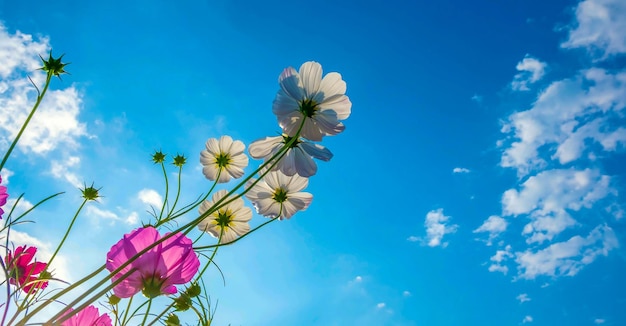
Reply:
x=599, y=321
x=548, y=196
x=497, y=260
x=566, y=258
x=99, y=214
x=150, y=197
x=437, y=226
x=527, y=319
x=599, y=27
x=55, y=126
x=531, y=70
x=523, y=298
x=406, y=294
x=494, y=225
x=460, y=170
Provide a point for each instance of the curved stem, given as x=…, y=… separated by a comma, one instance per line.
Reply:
x=66, y=234
x=32, y=112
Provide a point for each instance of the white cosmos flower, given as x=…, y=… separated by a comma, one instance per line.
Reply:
x=230, y=220
x=223, y=157
x=298, y=159
x=278, y=195
x=305, y=94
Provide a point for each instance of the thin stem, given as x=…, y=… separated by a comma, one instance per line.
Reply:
x=145, y=316
x=130, y=301
x=66, y=234
x=30, y=115
x=161, y=314
x=180, y=171
x=167, y=190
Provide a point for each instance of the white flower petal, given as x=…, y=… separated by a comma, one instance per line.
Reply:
x=240, y=228
x=212, y=146
x=310, y=77
x=264, y=147
x=287, y=164
x=317, y=151
x=297, y=183
x=304, y=163
x=339, y=103
x=284, y=104
x=290, y=83
x=210, y=171
x=225, y=143
x=328, y=123
x=331, y=85
x=311, y=130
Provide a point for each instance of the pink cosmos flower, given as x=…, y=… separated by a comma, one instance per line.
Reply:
x=171, y=262
x=89, y=316
x=24, y=273
x=3, y=197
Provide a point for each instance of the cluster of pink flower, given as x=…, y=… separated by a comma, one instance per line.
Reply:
x=307, y=106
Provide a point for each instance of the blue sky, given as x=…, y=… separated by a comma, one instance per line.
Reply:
x=479, y=181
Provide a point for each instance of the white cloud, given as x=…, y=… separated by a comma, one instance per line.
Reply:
x=565, y=115
x=22, y=206
x=531, y=70
x=412, y=238
x=6, y=176
x=600, y=27
x=548, y=196
x=477, y=98
x=566, y=258
x=61, y=170
x=59, y=267
x=599, y=321
x=19, y=52
x=380, y=305
x=494, y=225
x=406, y=294
x=460, y=170
x=358, y=279
x=150, y=197
x=56, y=121
x=106, y=215
x=523, y=298
x=498, y=259
x=436, y=227
x=527, y=319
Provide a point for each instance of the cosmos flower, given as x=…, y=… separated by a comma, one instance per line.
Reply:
x=223, y=157
x=171, y=262
x=90, y=316
x=298, y=159
x=278, y=195
x=305, y=95
x=3, y=197
x=23, y=272
x=231, y=220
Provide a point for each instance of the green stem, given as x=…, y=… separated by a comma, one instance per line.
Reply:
x=167, y=190
x=185, y=228
x=145, y=316
x=161, y=314
x=130, y=301
x=180, y=171
x=66, y=234
x=32, y=112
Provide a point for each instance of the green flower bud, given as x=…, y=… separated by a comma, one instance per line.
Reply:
x=158, y=157
x=54, y=66
x=172, y=320
x=180, y=160
x=90, y=193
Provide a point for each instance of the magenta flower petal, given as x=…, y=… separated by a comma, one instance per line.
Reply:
x=22, y=272
x=90, y=316
x=157, y=271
